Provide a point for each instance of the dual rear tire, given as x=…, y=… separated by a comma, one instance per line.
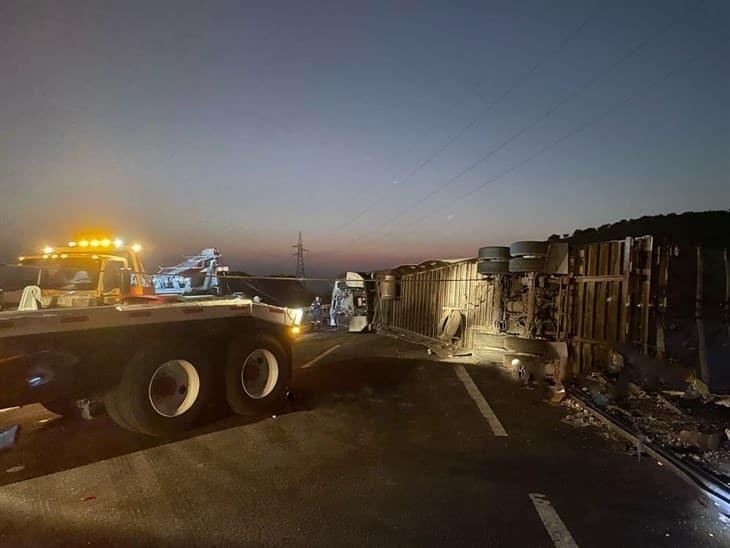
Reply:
x=257, y=374
x=165, y=387
x=163, y=390
x=493, y=260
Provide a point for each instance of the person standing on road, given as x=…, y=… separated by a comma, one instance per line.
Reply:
x=316, y=311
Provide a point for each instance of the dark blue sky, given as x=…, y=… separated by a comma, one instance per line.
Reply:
x=238, y=124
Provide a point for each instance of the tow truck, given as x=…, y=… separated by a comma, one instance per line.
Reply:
x=196, y=275
x=81, y=273
x=154, y=362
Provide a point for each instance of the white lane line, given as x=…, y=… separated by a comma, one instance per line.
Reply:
x=482, y=404
x=9, y=409
x=310, y=363
x=551, y=520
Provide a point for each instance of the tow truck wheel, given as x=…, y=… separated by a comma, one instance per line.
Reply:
x=163, y=390
x=257, y=374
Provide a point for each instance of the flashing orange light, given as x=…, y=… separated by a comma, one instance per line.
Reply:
x=72, y=244
x=94, y=243
x=84, y=243
x=296, y=330
x=47, y=250
x=106, y=242
x=21, y=258
x=45, y=256
x=136, y=248
x=118, y=243
x=64, y=256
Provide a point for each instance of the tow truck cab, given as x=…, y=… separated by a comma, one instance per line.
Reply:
x=77, y=275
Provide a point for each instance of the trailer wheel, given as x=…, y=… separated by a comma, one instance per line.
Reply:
x=163, y=390
x=528, y=249
x=258, y=371
x=527, y=264
x=494, y=252
x=493, y=267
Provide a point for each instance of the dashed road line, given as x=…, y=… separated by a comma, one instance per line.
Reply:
x=9, y=409
x=557, y=530
x=482, y=404
x=310, y=363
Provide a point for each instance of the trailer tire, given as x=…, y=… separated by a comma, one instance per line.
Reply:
x=257, y=375
x=528, y=249
x=163, y=390
x=493, y=267
x=527, y=264
x=494, y=252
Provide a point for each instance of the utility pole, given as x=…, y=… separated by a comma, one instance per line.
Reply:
x=300, y=259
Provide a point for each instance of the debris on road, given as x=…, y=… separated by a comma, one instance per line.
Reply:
x=691, y=423
x=9, y=437
x=579, y=417
x=696, y=389
x=703, y=442
x=600, y=399
x=669, y=405
x=555, y=393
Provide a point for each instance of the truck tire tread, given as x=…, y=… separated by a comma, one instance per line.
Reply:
x=130, y=401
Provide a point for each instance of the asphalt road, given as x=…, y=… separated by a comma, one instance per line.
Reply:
x=382, y=445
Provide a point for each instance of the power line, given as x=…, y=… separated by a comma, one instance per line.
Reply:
x=482, y=112
x=546, y=114
x=601, y=115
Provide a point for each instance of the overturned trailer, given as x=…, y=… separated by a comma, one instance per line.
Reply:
x=571, y=304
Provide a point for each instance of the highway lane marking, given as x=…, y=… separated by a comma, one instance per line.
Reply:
x=478, y=398
x=9, y=409
x=555, y=527
x=310, y=363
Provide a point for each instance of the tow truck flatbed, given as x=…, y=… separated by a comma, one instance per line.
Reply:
x=153, y=366
x=34, y=322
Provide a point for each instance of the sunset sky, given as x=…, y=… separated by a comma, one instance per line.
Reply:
x=185, y=125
